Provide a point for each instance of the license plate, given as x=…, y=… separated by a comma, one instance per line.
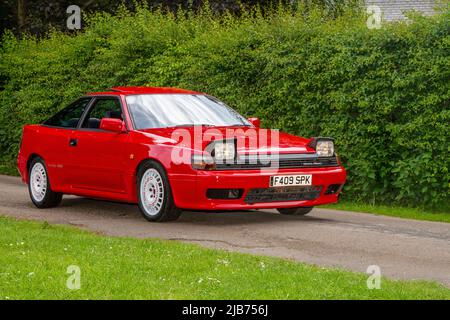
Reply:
x=291, y=180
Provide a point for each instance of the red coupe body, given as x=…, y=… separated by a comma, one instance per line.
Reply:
x=100, y=156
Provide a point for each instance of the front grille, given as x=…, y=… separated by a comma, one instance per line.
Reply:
x=282, y=161
x=283, y=194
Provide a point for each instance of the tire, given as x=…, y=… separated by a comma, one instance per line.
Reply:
x=295, y=211
x=155, y=198
x=39, y=187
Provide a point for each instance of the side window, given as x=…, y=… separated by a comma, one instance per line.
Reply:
x=102, y=108
x=69, y=117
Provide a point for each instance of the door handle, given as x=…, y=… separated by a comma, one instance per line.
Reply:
x=73, y=142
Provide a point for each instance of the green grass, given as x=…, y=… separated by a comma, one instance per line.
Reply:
x=34, y=258
x=393, y=211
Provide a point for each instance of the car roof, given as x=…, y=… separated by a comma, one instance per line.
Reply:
x=143, y=90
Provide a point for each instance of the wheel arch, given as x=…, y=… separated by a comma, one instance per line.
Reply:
x=144, y=161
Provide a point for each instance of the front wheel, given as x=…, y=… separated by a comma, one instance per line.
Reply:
x=154, y=194
x=39, y=187
x=295, y=211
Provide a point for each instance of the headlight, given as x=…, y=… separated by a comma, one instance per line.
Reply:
x=224, y=150
x=325, y=148
x=220, y=151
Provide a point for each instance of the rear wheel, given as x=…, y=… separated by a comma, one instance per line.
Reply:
x=154, y=194
x=295, y=211
x=39, y=187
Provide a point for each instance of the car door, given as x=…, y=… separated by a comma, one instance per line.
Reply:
x=56, y=133
x=97, y=156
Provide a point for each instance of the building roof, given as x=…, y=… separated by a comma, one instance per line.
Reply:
x=395, y=9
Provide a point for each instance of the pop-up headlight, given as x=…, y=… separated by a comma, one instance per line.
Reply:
x=219, y=151
x=324, y=146
x=224, y=150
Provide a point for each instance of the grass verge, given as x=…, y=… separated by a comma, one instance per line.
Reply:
x=35, y=257
x=393, y=211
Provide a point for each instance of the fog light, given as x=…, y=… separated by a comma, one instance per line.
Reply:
x=234, y=193
x=333, y=189
x=224, y=194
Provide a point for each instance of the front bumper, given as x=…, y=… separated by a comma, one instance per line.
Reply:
x=190, y=190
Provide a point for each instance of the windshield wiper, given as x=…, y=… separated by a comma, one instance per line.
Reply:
x=208, y=125
x=192, y=125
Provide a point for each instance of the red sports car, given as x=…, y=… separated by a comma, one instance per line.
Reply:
x=169, y=149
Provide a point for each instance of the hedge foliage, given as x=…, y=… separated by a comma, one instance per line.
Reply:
x=382, y=94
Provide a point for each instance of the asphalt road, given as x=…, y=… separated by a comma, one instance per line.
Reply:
x=403, y=249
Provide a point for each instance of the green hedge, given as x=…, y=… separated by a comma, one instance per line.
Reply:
x=383, y=94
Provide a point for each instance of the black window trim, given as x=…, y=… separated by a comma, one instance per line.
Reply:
x=64, y=109
x=91, y=105
x=87, y=109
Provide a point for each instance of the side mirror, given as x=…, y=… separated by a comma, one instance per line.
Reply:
x=113, y=125
x=255, y=121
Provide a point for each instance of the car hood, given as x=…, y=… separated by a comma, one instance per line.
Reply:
x=250, y=140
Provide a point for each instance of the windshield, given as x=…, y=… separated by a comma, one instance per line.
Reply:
x=171, y=110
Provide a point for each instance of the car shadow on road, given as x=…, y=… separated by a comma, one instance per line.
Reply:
x=104, y=208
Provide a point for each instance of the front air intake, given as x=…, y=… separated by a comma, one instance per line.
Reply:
x=224, y=194
x=333, y=189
